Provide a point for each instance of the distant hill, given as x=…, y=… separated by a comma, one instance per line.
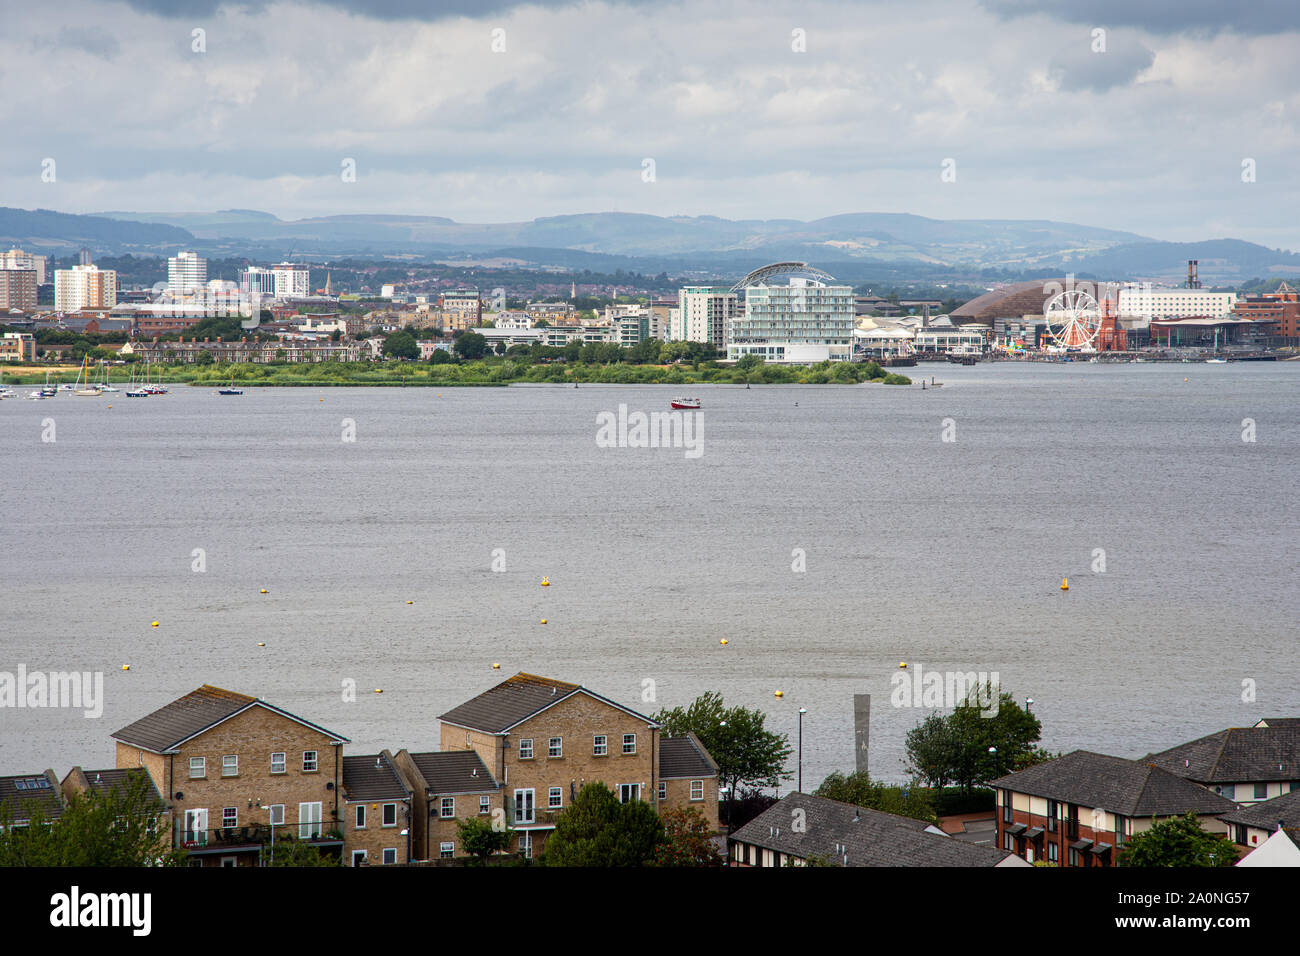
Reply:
x=853, y=246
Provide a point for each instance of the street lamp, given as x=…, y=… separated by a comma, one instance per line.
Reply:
x=994, y=752
x=1029, y=701
x=802, y=711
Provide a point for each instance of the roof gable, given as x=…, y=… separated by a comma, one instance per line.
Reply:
x=684, y=757
x=1268, y=751
x=516, y=699
x=372, y=777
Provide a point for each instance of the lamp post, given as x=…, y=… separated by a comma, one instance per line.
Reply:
x=994, y=752
x=802, y=711
x=1029, y=702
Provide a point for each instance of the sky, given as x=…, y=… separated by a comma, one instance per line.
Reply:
x=1174, y=119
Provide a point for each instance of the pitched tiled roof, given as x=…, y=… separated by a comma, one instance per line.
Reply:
x=842, y=832
x=373, y=777
x=514, y=700
x=104, y=780
x=1130, y=788
x=1237, y=755
x=25, y=792
x=684, y=757
x=200, y=710
x=454, y=771
x=1266, y=814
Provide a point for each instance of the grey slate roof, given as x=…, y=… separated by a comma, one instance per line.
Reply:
x=1131, y=788
x=873, y=839
x=197, y=711
x=1266, y=814
x=26, y=792
x=373, y=777
x=684, y=757
x=101, y=781
x=455, y=771
x=514, y=700
x=1237, y=755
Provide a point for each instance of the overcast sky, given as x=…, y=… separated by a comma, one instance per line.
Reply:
x=1149, y=135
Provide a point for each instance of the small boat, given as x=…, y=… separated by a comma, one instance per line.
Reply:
x=687, y=403
x=136, y=393
x=230, y=390
x=1216, y=361
x=35, y=396
x=83, y=380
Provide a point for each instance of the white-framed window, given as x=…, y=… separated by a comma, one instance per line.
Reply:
x=555, y=798
x=390, y=855
x=361, y=816
x=484, y=804
x=599, y=746
x=277, y=814
x=448, y=807
x=447, y=850
x=526, y=844
x=309, y=761
x=308, y=820
x=627, y=792
x=230, y=765
x=198, y=768
x=555, y=747
x=390, y=814
x=524, y=806
x=663, y=790
x=358, y=857
x=526, y=748
x=697, y=789
x=629, y=743
x=277, y=763
x=230, y=817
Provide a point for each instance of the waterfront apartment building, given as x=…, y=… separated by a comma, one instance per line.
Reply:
x=17, y=347
x=703, y=314
x=630, y=324
x=84, y=287
x=186, y=273
x=1081, y=809
x=1155, y=303
x=17, y=259
x=18, y=289
x=800, y=323
x=464, y=301
x=1279, y=310
x=237, y=773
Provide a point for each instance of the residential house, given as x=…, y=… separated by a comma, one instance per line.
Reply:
x=542, y=740
x=238, y=773
x=1082, y=808
x=449, y=787
x=376, y=812
x=801, y=828
x=1251, y=826
x=1281, y=849
x=1244, y=764
x=23, y=795
x=688, y=777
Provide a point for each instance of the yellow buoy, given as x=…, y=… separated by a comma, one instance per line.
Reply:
x=110, y=406
x=546, y=582
x=379, y=690
x=261, y=643
x=264, y=590
x=496, y=666
x=154, y=624
x=779, y=693
x=126, y=667
x=410, y=602
x=902, y=665
x=723, y=641
x=1184, y=380
x=1065, y=584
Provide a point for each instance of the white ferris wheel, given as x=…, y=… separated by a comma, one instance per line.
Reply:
x=1073, y=321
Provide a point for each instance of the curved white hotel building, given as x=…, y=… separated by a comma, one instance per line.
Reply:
x=803, y=322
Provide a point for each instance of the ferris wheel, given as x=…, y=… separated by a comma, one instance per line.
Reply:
x=1073, y=320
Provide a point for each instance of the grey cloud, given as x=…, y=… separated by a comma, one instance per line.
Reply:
x=1080, y=68
x=1160, y=16
x=95, y=42
x=376, y=9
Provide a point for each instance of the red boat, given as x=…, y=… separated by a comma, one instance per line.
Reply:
x=690, y=403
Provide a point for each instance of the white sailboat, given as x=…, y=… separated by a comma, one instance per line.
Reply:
x=82, y=386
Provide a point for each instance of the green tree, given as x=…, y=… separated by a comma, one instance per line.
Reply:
x=747, y=753
x=121, y=825
x=401, y=345
x=860, y=790
x=470, y=346
x=204, y=358
x=597, y=830
x=976, y=742
x=1178, y=841
x=290, y=852
x=441, y=357
x=688, y=840
x=480, y=840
